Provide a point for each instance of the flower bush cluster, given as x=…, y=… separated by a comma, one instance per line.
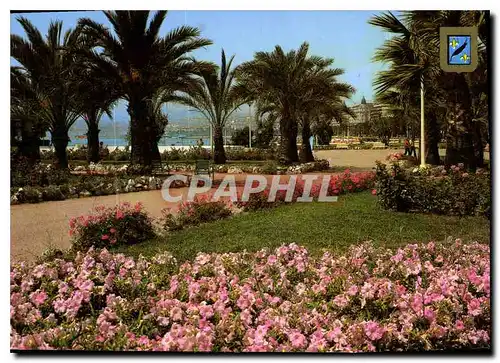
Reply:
x=418, y=298
x=24, y=173
x=346, y=182
x=201, y=210
x=105, y=227
x=438, y=190
x=174, y=154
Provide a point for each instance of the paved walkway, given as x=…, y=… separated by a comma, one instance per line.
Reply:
x=36, y=227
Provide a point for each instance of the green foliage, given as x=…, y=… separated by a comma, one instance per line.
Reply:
x=440, y=191
x=201, y=210
x=240, y=137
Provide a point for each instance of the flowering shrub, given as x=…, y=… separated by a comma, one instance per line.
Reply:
x=200, y=210
x=421, y=297
x=122, y=224
x=346, y=182
x=434, y=190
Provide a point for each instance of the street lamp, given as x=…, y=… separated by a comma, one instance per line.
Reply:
x=422, y=124
x=250, y=125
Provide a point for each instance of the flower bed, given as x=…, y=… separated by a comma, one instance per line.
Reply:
x=270, y=167
x=86, y=186
x=346, y=182
x=419, y=298
x=174, y=154
x=438, y=190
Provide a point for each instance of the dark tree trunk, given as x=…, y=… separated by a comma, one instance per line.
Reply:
x=460, y=100
x=219, y=152
x=143, y=141
x=30, y=147
x=432, y=147
x=288, y=136
x=60, y=141
x=478, y=145
x=93, y=142
x=306, y=154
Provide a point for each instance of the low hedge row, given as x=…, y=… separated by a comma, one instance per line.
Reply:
x=452, y=191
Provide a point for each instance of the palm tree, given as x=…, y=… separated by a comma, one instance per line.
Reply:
x=139, y=63
x=411, y=62
x=26, y=125
x=324, y=96
x=47, y=64
x=96, y=97
x=216, y=97
x=275, y=81
x=413, y=54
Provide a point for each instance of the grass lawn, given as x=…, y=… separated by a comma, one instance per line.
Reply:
x=336, y=226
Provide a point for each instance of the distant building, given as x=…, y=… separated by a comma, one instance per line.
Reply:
x=364, y=112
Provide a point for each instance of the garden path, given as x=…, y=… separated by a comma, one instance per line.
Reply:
x=36, y=227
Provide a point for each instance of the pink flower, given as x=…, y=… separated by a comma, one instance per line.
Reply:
x=112, y=230
x=429, y=314
x=373, y=331
x=38, y=298
x=474, y=307
x=104, y=237
x=374, y=192
x=119, y=214
x=271, y=259
x=459, y=325
x=298, y=340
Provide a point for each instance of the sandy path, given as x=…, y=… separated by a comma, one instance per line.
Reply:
x=363, y=159
x=36, y=227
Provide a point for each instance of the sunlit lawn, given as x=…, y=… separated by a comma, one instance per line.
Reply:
x=335, y=226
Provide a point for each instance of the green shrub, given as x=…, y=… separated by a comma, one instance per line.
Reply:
x=440, y=191
x=201, y=210
x=52, y=192
x=108, y=227
x=270, y=167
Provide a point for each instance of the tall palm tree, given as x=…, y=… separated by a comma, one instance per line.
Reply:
x=275, y=80
x=96, y=97
x=324, y=96
x=139, y=63
x=47, y=63
x=26, y=125
x=413, y=54
x=216, y=97
x=410, y=63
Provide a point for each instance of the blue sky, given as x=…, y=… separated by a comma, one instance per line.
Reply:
x=343, y=35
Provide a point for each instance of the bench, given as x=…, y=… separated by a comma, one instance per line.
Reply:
x=379, y=145
x=160, y=168
x=341, y=146
x=203, y=167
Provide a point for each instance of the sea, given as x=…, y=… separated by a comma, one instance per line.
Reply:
x=166, y=141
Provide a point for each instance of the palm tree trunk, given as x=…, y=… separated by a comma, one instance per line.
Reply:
x=288, y=136
x=30, y=145
x=478, y=144
x=93, y=142
x=219, y=152
x=142, y=139
x=433, y=137
x=306, y=154
x=60, y=141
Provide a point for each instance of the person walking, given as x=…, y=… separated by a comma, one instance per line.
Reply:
x=407, y=147
x=413, y=149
